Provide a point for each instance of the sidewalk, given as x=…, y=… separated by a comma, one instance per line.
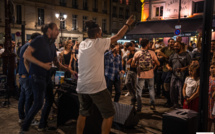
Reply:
x=150, y=121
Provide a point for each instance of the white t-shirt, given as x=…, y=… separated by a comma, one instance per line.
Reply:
x=1, y=50
x=91, y=77
x=191, y=86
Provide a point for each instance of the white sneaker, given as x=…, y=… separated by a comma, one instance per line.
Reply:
x=35, y=123
x=127, y=94
x=20, y=121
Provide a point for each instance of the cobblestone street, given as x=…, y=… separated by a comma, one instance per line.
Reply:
x=150, y=121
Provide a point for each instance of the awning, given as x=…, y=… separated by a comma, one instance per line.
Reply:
x=164, y=28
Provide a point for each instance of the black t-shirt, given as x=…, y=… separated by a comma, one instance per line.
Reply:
x=44, y=51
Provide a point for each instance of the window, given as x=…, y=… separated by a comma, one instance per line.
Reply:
x=198, y=7
x=13, y=36
x=122, y=1
x=127, y=13
x=18, y=14
x=74, y=4
x=84, y=20
x=28, y=37
x=95, y=19
x=159, y=11
x=40, y=16
x=95, y=8
x=85, y=6
x=114, y=12
x=121, y=10
x=104, y=26
x=74, y=22
x=62, y=2
x=135, y=6
x=62, y=23
x=127, y=2
x=104, y=6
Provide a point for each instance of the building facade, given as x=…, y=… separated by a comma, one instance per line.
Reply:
x=34, y=13
x=120, y=12
x=169, y=9
x=159, y=19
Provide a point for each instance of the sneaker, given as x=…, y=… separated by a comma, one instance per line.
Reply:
x=21, y=121
x=127, y=94
x=35, y=123
x=152, y=107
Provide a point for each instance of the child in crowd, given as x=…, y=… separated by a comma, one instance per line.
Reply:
x=211, y=96
x=191, y=88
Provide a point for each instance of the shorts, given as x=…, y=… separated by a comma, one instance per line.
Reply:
x=101, y=99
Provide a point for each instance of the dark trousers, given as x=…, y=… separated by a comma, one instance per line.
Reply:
x=130, y=83
x=116, y=84
x=158, y=82
x=25, y=98
x=42, y=88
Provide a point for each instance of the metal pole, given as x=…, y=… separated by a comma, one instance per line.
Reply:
x=61, y=38
x=204, y=66
x=8, y=56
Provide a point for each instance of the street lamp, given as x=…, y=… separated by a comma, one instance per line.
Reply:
x=61, y=18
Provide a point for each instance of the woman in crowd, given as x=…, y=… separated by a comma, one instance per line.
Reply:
x=66, y=57
x=211, y=96
x=75, y=56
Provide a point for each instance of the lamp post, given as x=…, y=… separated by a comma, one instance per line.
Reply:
x=61, y=18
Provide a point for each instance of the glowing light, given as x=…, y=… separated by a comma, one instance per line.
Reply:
x=142, y=13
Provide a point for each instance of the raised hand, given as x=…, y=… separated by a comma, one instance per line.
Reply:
x=130, y=20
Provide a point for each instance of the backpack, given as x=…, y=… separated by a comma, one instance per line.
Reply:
x=145, y=61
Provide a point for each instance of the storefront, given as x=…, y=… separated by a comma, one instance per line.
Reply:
x=165, y=29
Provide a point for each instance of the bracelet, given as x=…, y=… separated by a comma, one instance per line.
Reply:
x=127, y=25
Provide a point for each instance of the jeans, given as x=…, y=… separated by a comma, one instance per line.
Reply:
x=116, y=84
x=130, y=83
x=140, y=85
x=42, y=88
x=176, y=87
x=25, y=98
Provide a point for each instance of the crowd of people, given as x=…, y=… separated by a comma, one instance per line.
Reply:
x=171, y=70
